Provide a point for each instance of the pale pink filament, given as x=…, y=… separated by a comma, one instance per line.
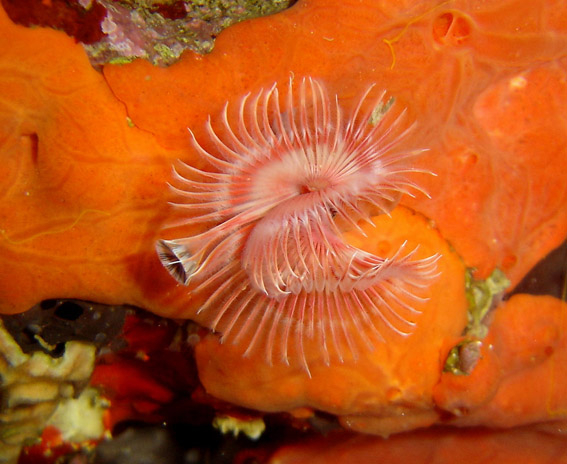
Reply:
x=287, y=177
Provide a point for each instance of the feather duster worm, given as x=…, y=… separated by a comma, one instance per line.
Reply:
x=288, y=177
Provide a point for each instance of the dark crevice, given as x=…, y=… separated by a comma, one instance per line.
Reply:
x=69, y=310
x=48, y=325
x=548, y=277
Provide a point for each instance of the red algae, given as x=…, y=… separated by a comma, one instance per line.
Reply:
x=70, y=16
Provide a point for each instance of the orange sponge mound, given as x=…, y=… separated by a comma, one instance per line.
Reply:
x=520, y=376
x=394, y=381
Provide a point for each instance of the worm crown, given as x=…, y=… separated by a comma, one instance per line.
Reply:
x=288, y=175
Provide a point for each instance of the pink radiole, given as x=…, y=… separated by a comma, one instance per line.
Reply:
x=288, y=177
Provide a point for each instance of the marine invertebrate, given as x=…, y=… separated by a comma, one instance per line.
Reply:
x=397, y=378
x=288, y=177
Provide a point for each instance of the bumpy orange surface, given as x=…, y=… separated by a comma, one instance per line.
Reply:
x=86, y=158
x=520, y=377
x=394, y=381
x=83, y=192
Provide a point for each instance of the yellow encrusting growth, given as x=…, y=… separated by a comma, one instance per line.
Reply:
x=252, y=428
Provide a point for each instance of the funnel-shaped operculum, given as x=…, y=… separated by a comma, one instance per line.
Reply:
x=288, y=176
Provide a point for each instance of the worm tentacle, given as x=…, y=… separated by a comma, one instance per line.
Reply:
x=288, y=175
